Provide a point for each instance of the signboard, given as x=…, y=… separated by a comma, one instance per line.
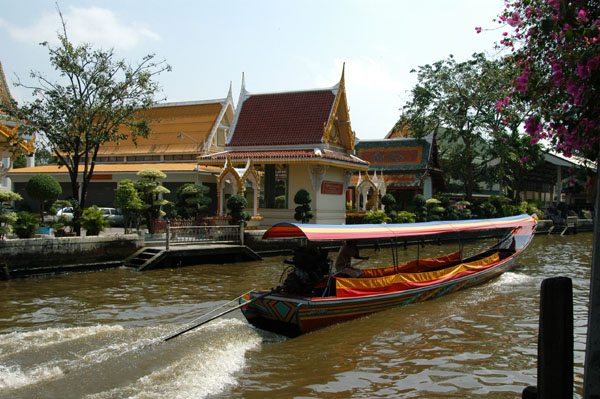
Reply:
x=331, y=187
x=101, y=177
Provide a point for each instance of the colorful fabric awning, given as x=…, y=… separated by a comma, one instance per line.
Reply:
x=365, y=231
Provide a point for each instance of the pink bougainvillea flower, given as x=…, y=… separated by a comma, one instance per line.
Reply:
x=524, y=159
x=515, y=19
x=478, y=29
x=498, y=106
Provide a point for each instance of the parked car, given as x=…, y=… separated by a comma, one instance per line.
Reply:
x=66, y=212
x=114, y=216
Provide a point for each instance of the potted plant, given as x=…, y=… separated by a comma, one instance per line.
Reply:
x=93, y=221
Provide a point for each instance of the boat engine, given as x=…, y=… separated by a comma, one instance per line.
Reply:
x=310, y=266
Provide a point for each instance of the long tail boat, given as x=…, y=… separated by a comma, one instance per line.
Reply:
x=312, y=297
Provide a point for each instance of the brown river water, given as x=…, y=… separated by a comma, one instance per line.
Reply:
x=94, y=335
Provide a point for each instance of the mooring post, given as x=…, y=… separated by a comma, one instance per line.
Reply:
x=168, y=241
x=555, y=341
x=242, y=232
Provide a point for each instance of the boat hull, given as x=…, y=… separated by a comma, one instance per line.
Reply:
x=292, y=316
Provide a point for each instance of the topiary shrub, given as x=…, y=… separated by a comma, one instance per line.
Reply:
x=388, y=202
x=43, y=188
x=236, y=204
x=192, y=201
x=303, y=211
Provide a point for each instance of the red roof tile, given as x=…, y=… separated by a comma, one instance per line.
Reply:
x=283, y=118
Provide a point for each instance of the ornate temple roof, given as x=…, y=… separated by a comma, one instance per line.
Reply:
x=406, y=160
x=310, y=126
x=283, y=118
x=180, y=128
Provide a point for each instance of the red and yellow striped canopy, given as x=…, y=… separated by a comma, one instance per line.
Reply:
x=364, y=231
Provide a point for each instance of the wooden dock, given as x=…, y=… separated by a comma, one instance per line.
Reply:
x=153, y=257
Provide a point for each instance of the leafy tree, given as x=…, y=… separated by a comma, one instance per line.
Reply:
x=558, y=59
x=150, y=192
x=44, y=157
x=43, y=188
x=128, y=199
x=303, y=210
x=236, y=204
x=97, y=100
x=192, y=200
x=457, y=100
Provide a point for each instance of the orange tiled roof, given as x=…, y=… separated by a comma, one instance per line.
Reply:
x=121, y=167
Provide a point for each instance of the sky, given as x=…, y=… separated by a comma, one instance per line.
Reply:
x=278, y=45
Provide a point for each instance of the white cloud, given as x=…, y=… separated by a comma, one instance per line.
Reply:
x=97, y=26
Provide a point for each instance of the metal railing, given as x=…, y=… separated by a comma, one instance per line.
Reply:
x=204, y=234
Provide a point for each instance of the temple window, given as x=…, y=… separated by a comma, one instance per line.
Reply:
x=274, y=186
x=142, y=158
x=110, y=159
x=180, y=157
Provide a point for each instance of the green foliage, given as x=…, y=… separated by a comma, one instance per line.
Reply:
x=95, y=99
x=420, y=208
x=43, y=188
x=151, y=174
x=6, y=220
x=280, y=201
x=404, y=217
x=356, y=218
x=419, y=200
x=457, y=99
x=8, y=196
x=149, y=191
x=25, y=224
x=377, y=217
x=59, y=226
x=487, y=210
x=192, y=201
x=93, y=221
x=128, y=200
x=303, y=210
x=236, y=204
x=388, y=202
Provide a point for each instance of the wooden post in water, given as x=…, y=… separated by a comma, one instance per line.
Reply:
x=242, y=232
x=555, y=341
x=168, y=240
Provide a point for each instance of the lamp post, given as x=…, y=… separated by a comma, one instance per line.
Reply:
x=180, y=136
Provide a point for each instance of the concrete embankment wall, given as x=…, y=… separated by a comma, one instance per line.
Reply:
x=24, y=257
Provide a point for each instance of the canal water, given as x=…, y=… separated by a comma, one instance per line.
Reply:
x=94, y=335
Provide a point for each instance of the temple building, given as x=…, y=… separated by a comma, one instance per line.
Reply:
x=407, y=165
x=8, y=130
x=294, y=140
x=181, y=132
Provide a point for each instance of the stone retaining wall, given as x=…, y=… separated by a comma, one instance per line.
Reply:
x=22, y=257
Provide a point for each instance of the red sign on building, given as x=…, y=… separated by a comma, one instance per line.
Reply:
x=331, y=187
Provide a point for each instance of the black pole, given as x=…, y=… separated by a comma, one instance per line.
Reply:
x=555, y=341
x=177, y=334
